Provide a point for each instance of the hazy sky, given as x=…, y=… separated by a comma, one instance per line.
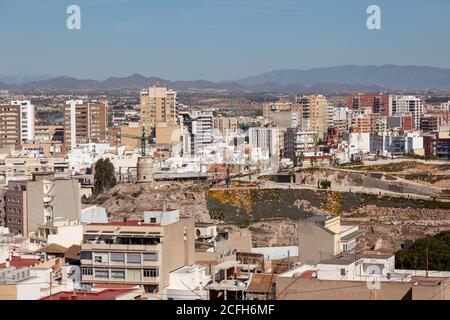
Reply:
x=217, y=39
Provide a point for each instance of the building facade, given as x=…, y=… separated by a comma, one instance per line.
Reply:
x=84, y=123
x=316, y=113
x=158, y=104
x=408, y=105
x=29, y=204
x=10, y=133
x=375, y=102
x=297, y=142
x=196, y=131
x=137, y=253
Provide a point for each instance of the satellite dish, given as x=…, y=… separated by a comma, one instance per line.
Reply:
x=74, y=274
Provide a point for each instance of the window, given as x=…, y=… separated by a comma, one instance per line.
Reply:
x=118, y=257
x=134, y=275
x=100, y=257
x=150, y=273
x=101, y=274
x=86, y=271
x=152, y=256
x=343, y=272
x=118, y=274
x=86, y=255
x=152, y=220
x=133, y=258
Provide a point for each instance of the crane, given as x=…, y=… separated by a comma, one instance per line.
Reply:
x=144, y=140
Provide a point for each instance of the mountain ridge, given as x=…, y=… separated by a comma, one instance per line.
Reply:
x=337, y=79
x=407, y=77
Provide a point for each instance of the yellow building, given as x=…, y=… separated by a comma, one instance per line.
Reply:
x=315, y=113
x=130, y=134
x=157, y=105
x=167, y=133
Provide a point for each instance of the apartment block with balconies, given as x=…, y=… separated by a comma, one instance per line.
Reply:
x=137, y=252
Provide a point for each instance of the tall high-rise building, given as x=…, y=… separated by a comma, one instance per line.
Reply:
x=196, y=131
x=375, y=102
x=85, y=121
x=316, y=113
x=158, y=104
x=10, y=134
x=27, y=119
x=17, y=123
x=408, y=105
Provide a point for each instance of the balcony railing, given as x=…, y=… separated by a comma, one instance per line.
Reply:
x=119, y=247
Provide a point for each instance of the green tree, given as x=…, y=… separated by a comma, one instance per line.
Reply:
x=301, y=158
x=436, y=248
x=104, y=176
x=325, y=184
x=294, y=161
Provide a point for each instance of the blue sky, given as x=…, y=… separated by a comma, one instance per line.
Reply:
x=217, y=39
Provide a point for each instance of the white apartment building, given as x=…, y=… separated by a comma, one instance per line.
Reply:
x=27, y=119
x=341, y=117
x=187, y=283
x=445, y=106
x=297, y=142
x=414, y=143
x=407, y=105
x=197, y=131
x=361, y=267
x=269, y=140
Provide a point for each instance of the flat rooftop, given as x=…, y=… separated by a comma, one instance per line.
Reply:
x=189, y=269
x=231, y=285
x=108, y=294
x=128, y=223
x=346, y=258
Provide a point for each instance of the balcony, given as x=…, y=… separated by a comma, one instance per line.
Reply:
x=119, y=247
x=150, y=280
x=85, y=277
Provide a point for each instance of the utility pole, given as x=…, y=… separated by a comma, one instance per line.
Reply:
x=427, y=260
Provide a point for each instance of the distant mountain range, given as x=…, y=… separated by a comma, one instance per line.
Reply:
x=22, y=78
x=326, y=80
x=387, y=76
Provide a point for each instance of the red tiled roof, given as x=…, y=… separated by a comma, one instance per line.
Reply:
x=308, y=274
x=19, y=262
x=73, y=252
x=108, y=294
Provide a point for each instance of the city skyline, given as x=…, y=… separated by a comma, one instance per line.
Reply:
x=216, y=40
